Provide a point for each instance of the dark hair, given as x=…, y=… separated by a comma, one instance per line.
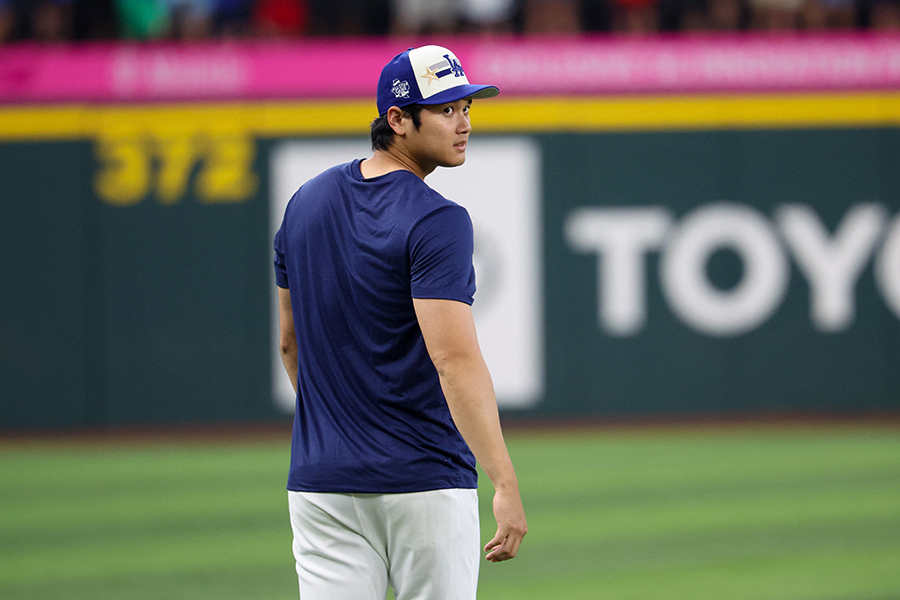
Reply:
x=383, y=134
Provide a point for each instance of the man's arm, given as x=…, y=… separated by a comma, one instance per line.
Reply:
x=288, y=339
x=449, y=331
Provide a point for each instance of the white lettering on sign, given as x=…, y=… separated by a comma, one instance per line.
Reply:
x=831, y=263
x=620, y=237
x=683, y=270
x=887, y=267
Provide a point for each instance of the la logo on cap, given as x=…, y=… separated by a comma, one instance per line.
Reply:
x=426, y=75
x=437, y=70
x=443, y=68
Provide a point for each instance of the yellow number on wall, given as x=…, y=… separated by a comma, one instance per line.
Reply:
x=124, y=176
x=227, y=174
x=177, y=156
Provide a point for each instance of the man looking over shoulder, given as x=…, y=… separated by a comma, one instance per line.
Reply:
x=394, y=400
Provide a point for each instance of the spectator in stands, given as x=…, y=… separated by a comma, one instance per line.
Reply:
x=416, y=17
x=233, y=18
x=349, y=17
x=884, y=15
x=280, y=18
x=143, y=19
x=488, y=16
x=51, y=20
x=595, y=15
x=191, y=19
x=7, y=21
x=551, y=17
x=636, y=17
x=711, y=15
x=827, y=14
x=95, y=20
x=41, y=20
x=692, y=16
x=63, y=20
x=775, y=15
x=165, y=19
x=424, y=17
x=726, y=15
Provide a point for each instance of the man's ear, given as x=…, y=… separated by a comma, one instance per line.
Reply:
x=396, y=121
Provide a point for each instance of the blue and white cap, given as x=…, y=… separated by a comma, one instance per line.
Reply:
x=426, y=75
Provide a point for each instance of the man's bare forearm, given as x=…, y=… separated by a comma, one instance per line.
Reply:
x=470, y=396
x=289, y=360
x=449, y=331
x=287, y=343
x=467, y=387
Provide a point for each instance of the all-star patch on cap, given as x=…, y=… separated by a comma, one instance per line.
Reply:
x=426, y=75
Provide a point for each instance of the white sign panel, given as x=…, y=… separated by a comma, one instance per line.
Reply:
x=500, y=187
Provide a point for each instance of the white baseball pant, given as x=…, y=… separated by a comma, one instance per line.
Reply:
x=425, y=545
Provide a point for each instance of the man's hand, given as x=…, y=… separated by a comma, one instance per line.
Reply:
x=511, y=526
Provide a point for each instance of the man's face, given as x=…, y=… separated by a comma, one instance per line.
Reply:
x=442, y=136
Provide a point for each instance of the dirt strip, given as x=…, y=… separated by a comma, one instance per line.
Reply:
x=280, y=431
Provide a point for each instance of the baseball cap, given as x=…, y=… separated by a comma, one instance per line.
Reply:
x=426, y=75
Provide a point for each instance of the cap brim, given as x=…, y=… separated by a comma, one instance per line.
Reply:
x=462, y=91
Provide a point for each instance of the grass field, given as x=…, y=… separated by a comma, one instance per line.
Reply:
x=692, y=513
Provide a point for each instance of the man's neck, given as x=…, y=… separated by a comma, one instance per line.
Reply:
x=387, y=161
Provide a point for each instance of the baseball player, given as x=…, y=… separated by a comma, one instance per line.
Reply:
x=394, y=400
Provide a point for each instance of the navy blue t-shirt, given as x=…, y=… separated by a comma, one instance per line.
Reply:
x=354, y=252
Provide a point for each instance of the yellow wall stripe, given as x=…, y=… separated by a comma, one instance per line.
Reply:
x=692, y=112
x=281, y=118
x=38, y=123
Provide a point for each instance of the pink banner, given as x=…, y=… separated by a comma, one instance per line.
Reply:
x=349, y=68
x=693, y=64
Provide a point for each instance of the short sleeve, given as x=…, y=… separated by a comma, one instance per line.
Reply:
x=440, y=250
x=281, y=278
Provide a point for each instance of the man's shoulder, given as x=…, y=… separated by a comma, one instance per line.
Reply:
x=340, y=171
x=438, y=202
x=416, y=195
x=429, y=197
x=315, y=190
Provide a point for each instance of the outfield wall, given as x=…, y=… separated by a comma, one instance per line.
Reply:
x=721, y=242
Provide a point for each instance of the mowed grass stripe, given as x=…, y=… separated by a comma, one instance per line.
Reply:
x=622, y=516
x=868, y=505
x=163, y=511
x=170, y=552
x=138, y=509
x=818, y=575
x=249, y=582
x=758, y=513
x=679, y=457
x=95, y=499
x=81, y=467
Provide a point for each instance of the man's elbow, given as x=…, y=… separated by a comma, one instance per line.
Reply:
x=448, y=363
x=287, y=345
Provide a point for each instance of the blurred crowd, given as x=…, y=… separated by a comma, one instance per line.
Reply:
x=69, y=20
